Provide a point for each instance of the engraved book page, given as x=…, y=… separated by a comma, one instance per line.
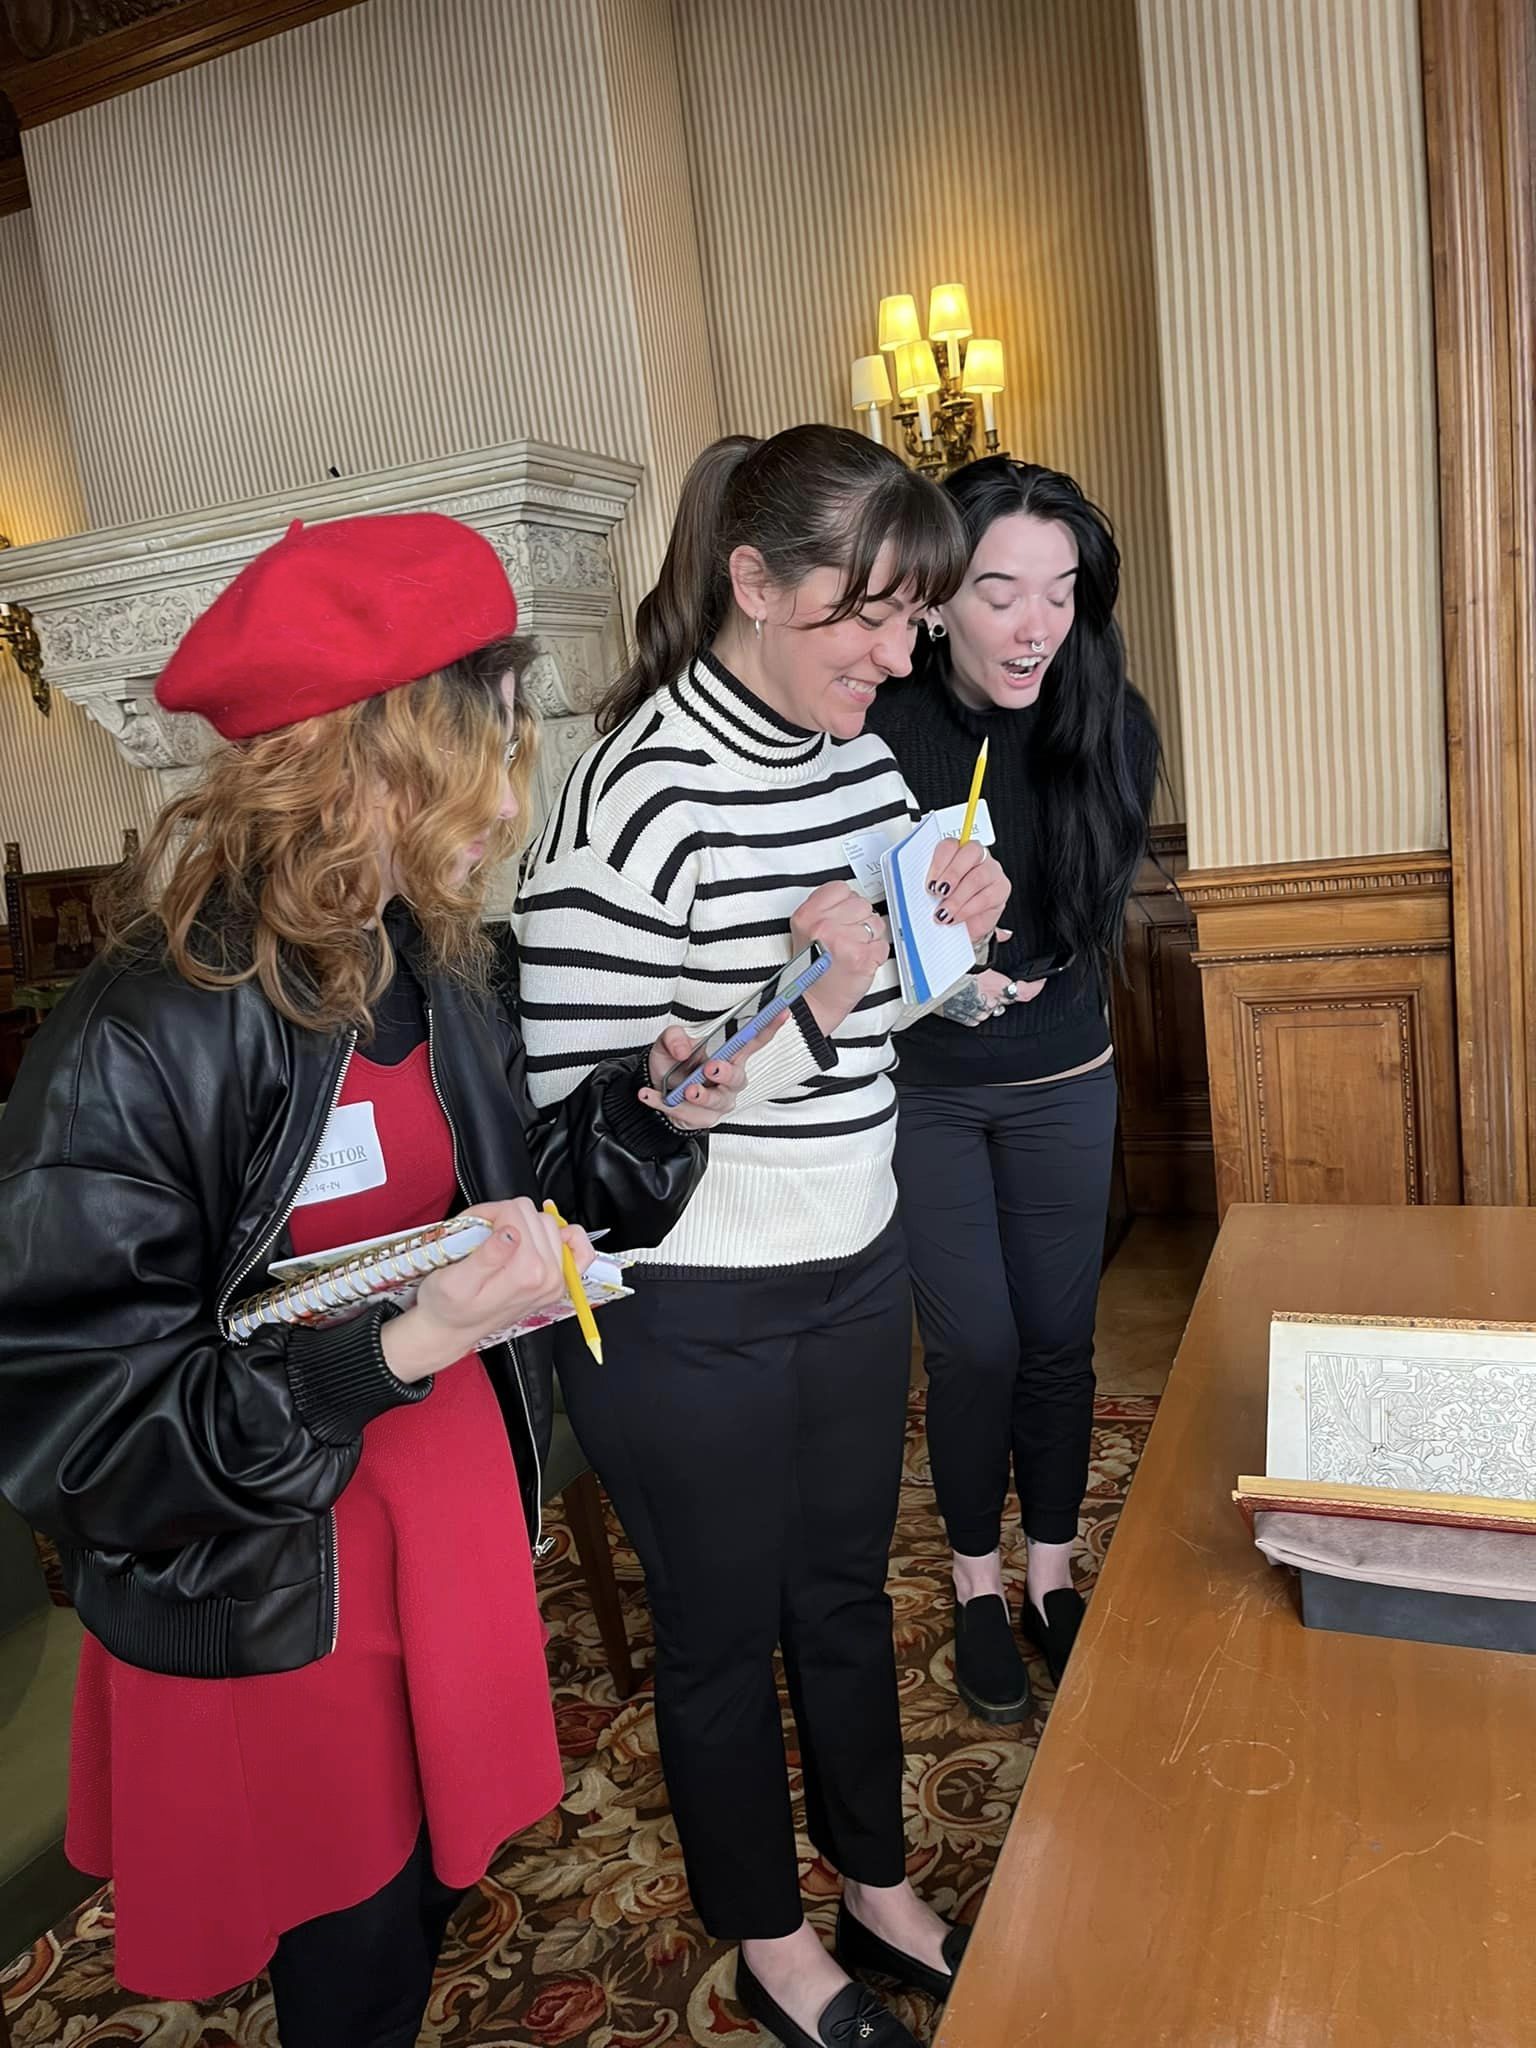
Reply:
x=1432, y=1408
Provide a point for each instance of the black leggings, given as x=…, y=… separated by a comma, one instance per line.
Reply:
x=1004, y=1194
x=361, y=1978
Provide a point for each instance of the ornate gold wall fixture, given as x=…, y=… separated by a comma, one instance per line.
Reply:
x=19, y=635
x=938, y=437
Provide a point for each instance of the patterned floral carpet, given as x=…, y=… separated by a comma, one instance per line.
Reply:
x=582, y=1933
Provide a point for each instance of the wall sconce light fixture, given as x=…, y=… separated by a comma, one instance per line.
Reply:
x=18, y=634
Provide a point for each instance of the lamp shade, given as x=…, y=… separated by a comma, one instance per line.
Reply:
x=949, y=313
x=871, y=385
x=983, y=366
x=916, y=371
x=898, y=321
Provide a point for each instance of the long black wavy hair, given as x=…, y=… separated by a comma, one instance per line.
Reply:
x=1097, y=738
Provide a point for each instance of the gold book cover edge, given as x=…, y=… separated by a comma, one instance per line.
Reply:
x=1405, y=1323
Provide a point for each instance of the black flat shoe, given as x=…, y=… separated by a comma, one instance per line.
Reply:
x=854, y=2019
x=990, y=1675
x=1055, y=1631
x=856, y=1948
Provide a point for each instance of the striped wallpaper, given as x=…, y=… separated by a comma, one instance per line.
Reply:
x=373, y=239
x=1292, y=245
x=845, y=149
x=409, y=229
x=390, y=234
x=677, y=378
x=66, y=791
x=39, y=484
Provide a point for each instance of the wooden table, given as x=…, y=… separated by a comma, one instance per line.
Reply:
x=1240, y=1833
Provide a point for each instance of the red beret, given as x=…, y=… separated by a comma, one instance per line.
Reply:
x=335, y=613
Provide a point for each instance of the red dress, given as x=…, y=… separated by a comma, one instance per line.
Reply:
x=229, y=1810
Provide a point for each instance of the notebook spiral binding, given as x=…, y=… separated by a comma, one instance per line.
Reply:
x=361, y=1278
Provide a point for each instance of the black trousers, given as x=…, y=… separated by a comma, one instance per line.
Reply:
x=362, y=1978
x=1004, y=1195
x=748, y=1429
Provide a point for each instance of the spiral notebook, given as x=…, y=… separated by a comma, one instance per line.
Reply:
x=329, y=1287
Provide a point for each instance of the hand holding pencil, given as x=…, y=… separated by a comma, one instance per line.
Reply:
x=971, y=888
x=520, y=1269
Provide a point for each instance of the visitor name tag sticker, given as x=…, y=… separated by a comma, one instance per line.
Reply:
x=951, y=822
x=865, y=850
x=350, y=1159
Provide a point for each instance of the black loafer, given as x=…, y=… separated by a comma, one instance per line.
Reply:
x=854, y=2019
x=1055, y=1631
x=990, y=1675
x=856, y=1948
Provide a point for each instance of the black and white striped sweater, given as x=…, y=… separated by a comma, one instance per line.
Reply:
x=660, y=891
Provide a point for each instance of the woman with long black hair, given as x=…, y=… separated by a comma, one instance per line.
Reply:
x=1008, y=1099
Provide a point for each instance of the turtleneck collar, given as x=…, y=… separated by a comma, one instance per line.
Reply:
x=996, y=722
x=741, y=727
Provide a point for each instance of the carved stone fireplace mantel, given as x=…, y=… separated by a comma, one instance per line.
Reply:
x=110, y=606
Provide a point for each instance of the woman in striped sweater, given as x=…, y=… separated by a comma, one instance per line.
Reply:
x=748, y=1425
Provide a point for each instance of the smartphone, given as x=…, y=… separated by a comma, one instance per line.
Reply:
x=731, y=1034
x=1044, y=967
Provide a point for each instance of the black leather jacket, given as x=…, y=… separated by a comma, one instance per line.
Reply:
x=149, y=1158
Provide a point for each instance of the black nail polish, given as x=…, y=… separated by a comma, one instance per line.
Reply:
x=944, y=888
x=943, y=917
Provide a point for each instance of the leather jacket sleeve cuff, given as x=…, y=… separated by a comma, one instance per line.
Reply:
x=340, y=1380
x=640, y=1131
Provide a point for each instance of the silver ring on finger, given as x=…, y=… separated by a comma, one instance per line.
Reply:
x=868, y=930
x=1012, y=992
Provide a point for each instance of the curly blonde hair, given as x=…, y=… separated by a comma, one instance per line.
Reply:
x=274, y=867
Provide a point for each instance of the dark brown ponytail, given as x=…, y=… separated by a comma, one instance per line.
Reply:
x=687, y=607
x=812, y=497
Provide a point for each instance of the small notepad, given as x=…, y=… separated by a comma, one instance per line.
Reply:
x=930, y=957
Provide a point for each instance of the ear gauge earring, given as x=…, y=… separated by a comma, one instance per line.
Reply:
x=937, y=630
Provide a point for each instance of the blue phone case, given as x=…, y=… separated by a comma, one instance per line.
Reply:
x=754, y=1026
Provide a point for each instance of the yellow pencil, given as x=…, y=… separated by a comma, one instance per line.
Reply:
x=575, y=1290
x=975, y=797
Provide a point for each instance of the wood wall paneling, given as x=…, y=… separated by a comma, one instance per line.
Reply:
x=14, y=197
x=1330, y=1030
x=1159, y=1027
x=1478, y=58
x=15, y=1025
x=146, y=51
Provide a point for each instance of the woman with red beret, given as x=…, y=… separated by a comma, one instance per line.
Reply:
x=312, y=1699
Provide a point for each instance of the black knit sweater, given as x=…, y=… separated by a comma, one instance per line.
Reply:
x=934, y=738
